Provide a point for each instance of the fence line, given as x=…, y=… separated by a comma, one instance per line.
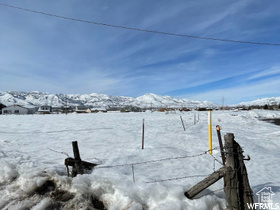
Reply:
x=64, y=153
x=159, y=160
x=217, y=160
x=165, y=159
x=191, y=176
x=152, y=161
x=177, y=178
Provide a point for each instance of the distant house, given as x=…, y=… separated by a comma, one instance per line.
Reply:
x=82, y=109
x=56, y=110
x=17, y=109
x=66, y=109
x=98, y=109
x=45, y=110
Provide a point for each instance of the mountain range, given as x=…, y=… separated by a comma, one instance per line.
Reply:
x=35, y=99
x=262, y=102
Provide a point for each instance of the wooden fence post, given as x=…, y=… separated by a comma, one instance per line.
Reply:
x=237, y=188
x=214, y=177
x=133, y=176
x=221, y=144
x=236, y=183
x=78, y=169
x=231, y=178
x=182, y=123
x=246, y=190
x=78, y=166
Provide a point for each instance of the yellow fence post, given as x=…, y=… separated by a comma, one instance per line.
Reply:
x=209, y=132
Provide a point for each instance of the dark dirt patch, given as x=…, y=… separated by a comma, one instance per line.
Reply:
x=275, y=121
x=54, y=206
x=48, y=186
x=62, y=199
x=97, y=204
x=61, y=195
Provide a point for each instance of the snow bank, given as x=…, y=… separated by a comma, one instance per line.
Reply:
x=7, y=172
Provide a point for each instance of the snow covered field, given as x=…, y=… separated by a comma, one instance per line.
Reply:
x=33, y=175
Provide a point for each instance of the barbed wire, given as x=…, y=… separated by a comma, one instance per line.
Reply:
x=159, y=160
x=154, y=161
x=64, y=153
x=177, y=178
x=164, y=159
x=215, y=159
x=226, y=148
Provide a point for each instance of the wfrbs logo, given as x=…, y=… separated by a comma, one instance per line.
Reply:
x=264, y=200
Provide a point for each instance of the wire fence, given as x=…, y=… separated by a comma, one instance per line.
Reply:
x=132, y=165
x=177, y=178
x=159, y=160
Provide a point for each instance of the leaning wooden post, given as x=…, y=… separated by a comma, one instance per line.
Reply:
x=214, y=177
x=221, y=144
x=182, y=123
x=78, y=169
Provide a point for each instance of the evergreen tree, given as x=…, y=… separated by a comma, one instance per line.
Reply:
x=2, y=106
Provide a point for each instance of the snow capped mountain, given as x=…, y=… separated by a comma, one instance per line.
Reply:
x=153, y=100
x=262, y=101
x=35, y=98
x=31, y=99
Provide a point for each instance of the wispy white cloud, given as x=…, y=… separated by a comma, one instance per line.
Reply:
x=234, y=95
x=275, y=70
x=218, y=13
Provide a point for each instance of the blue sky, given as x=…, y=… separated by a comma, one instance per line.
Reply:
x=48, y=54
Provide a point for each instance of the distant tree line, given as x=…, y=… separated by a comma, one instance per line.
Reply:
x=1, y=107
x=69, y=109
